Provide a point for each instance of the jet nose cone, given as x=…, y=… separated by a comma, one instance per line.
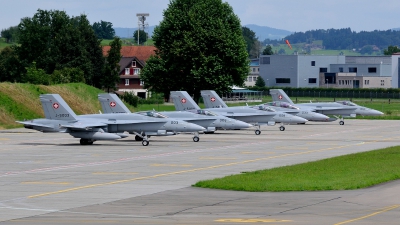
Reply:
x=241, y=124
x=321, y=117
x=377, y=113
x=194, y=127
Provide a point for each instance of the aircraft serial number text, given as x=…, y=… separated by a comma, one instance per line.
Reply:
x=62, y=115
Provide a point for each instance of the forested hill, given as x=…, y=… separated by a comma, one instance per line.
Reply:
x=346, y=39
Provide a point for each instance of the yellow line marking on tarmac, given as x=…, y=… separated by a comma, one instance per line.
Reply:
x=4, y=139
x=45, y=182
x=291, y=147
x=194, y=170
x=114, y=173
x=372, y=214
x=258, y=220
x=217, y=158
x=258, y=152
x=173, y=165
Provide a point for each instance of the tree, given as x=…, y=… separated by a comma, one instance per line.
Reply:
x=36, y=76
x=268, y=50
x=390, y=50
x=260, y=82
x=142, y=37
x=103, y=30
x=368, y=49
x=111, y=68
x=252, y=44
x=10, y=66
x=200, y=47
x=55, y=41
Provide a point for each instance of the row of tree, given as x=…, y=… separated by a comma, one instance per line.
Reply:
x=337, y=39
x=55, y=48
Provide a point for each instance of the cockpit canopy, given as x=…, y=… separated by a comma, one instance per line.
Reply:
x=265, y=108
x=154, y=114
x=205, y=112
x=349, y=103
x=283, y=105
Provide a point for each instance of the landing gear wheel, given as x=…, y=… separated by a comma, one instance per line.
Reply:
x=137, y=138
x=341, y=122
x=145, y=143
x=85, y=142
x=258, y=132
x=282, y=128
x=196, y=139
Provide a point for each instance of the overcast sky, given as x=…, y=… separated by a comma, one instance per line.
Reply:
x=291, y=15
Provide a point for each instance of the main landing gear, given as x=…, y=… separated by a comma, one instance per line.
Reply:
x=86, y=141
x=282, y=128
x=142, y=137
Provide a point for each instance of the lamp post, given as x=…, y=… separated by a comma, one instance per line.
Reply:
x=326, y=82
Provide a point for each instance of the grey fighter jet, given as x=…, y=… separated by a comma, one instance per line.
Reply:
x=93, y=127
x=335, y=109
x=112, y=104
x=183, y=101
x=212, y=100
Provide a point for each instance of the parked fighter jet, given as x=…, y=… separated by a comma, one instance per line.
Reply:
x=183, y=101
x=291, y=109
x=93, y=127
x=112, y=104
x=337, y=110
x=212, y=100
x=361, y=110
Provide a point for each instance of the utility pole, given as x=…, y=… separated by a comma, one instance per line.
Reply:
x=141, y=23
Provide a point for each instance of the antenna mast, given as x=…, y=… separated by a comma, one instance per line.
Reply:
x=141, y=23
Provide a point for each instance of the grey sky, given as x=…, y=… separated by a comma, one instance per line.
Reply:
x=291, y=15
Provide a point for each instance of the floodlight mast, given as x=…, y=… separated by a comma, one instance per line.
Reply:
x=141, y=23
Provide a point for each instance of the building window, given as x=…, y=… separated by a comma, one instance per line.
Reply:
x=312, y=63
x=368, y=82
x=254, y=78
x=312, y=80
x=382, y=82
x=371, y=69
x=340, y=82
x=126, y=82
x=340, y=69
x=282, y=80
x=323, y=70
x=126, y=71
x=136, y=71
x=352, y=69
x=254, y=69
x=133, y=63
x=141, y=83
x=258, y=69
x=265, y=60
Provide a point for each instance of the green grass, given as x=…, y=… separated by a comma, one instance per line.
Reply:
x=347, y=172
x=4, y=44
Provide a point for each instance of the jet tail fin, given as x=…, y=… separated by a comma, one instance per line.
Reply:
x=183, y=101
x=110, y=103
x=280, y=95
x=56, y=108
x=212, y=99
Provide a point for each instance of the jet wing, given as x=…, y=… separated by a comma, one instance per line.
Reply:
x=83, y=125
x=86, y=125
x=34, y=124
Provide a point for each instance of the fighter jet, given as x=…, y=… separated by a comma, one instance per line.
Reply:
x=112, y=104
x=183, y=101
x=361, y=110
x=293, y=110
x=335, y=109
x=212, y=100
x=93, y=127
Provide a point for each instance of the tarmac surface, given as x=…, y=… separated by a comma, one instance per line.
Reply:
x=52, y=179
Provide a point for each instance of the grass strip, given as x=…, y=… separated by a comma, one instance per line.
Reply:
x=346, y=172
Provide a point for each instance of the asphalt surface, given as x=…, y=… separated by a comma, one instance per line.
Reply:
x=51, y=179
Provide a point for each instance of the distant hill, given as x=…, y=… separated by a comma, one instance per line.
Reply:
x=262, y=32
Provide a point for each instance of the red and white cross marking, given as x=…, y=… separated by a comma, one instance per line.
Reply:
x=113, y=104
x=56, y=105
x=183, y=100
x=280, y=97
x=212, y=99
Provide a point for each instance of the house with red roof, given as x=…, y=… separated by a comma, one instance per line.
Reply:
x=132, y=62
